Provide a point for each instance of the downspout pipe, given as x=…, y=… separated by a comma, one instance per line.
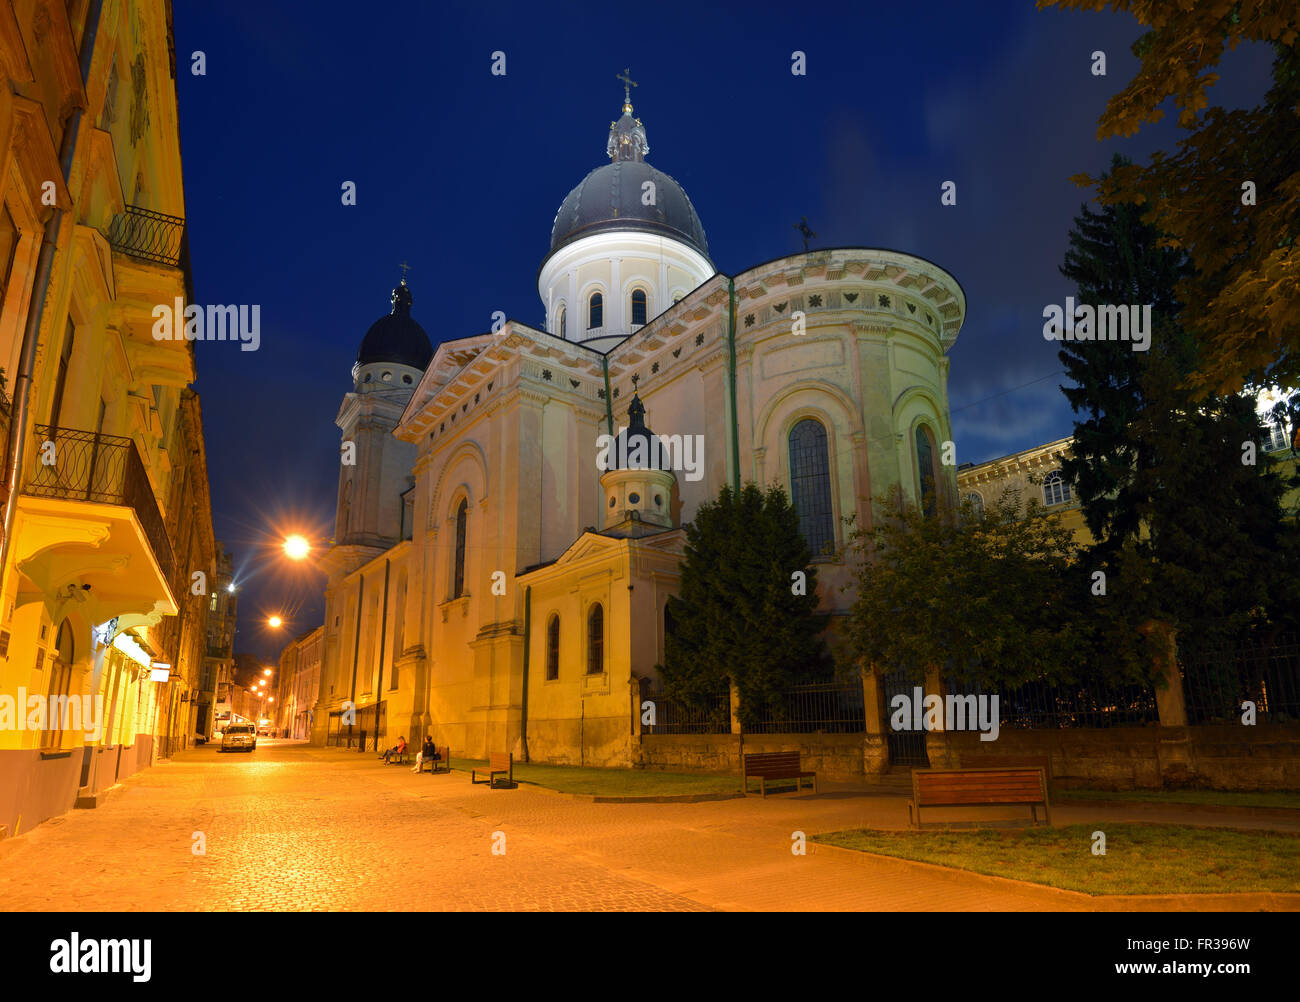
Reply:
x=528, y=631
x=19, y=412
x=356, y=653
x=383, y=636
x=731, y=384
x=609, y=405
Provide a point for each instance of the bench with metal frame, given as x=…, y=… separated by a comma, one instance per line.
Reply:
x=434, y=763
x=978, y=788
x=499, y=764
x=774, y=765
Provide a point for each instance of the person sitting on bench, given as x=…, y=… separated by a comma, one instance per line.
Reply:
x=397, y=749
x=428, y=753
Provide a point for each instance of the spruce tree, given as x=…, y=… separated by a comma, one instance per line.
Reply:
x=742, y=614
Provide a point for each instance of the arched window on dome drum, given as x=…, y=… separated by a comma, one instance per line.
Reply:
x=638, y=307
x=596, y=311
x=561, y=324
x=458, y=578
x=810, y=485
x=553, y=648
x=926, y=473
x=596, y=639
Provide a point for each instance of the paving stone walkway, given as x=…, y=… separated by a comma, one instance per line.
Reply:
x=290, y=827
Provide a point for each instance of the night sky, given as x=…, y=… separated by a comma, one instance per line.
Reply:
x=459, y=173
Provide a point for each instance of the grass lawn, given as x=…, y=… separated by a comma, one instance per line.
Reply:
x=1224, y=798
x=1140, y=859
x=613, y=782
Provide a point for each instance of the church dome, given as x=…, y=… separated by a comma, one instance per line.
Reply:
x=637, y=447
x=396, y=338
x=612, y=197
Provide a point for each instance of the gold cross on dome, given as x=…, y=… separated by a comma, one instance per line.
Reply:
x=628, y=84
x=405, y=268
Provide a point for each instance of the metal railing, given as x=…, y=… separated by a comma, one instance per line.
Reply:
x=80, y=465
x=149, y=235
x=819, y=707
x=711, y=715
x=1217, y=680
x=1041, y=705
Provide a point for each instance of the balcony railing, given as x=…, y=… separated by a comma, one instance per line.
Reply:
x=150, y=236
x=106, y=469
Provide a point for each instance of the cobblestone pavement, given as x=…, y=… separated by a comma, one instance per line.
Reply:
x=291, y=827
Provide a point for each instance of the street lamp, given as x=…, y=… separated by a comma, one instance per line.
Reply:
x=275, y=622
x=296, y=547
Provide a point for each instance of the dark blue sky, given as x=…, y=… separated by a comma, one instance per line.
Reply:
x=459, y=173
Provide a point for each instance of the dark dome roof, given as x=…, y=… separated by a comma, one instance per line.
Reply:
x=648, y=455
x=609, y=198
x=397, y=338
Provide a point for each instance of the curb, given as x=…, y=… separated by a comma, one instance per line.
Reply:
x=1274, y=813
x=1210, y=901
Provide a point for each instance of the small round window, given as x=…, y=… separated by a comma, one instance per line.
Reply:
x=406, y=379
x=611, y=501
x=387, y=377
x=369, y=376
x=634, y=498
x=658, y=501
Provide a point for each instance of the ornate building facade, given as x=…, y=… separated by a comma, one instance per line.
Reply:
x=495, y=584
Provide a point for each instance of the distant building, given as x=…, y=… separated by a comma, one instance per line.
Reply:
x=299, y=684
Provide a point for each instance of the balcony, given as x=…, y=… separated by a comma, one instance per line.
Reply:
x=149, y=236
x=91, y=527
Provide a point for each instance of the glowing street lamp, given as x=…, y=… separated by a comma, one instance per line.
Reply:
x=267, y=671
x=296, y=547
x=275, y=622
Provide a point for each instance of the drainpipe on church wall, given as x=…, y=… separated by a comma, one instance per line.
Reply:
x=383, y=635
x=609, y=406
x=731, y=384
x=528, y=625
x=356, y=653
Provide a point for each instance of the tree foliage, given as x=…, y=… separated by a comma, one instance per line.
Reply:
x=990, y=597
x=1242, y=294
x=739, y=616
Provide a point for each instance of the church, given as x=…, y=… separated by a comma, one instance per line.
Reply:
x=499, y=573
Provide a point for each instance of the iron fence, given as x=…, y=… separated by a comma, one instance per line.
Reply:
x=150, y=236
x=1046, y=705
x=813, y=708
x=710, y=715
x=80, y=465
x=1218, y=680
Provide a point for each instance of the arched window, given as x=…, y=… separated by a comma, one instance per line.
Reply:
x=810, y=485
x=596, y=311
x=561, y=324
x=553, y=648
x=1055, y=489
x=596, y=639
x=638, y=307
x=458, y=579
x=926, y=473
x=976, y=504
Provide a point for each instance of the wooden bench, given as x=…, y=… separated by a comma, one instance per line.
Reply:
x=498, y=765
x=400, y=757
x=774, y=765
x=437, y=765
x=1043, y=762
x=978, y=788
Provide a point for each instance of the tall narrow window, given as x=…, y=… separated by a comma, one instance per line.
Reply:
x=596, y=311
x=61, y=380
x=562, y=325
x=596, y=640
x=458, y=582
x=638, y=307
x=553, y=648
x=810, y=485
x=925, y=471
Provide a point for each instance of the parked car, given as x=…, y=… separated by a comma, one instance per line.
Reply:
x=238, y=736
